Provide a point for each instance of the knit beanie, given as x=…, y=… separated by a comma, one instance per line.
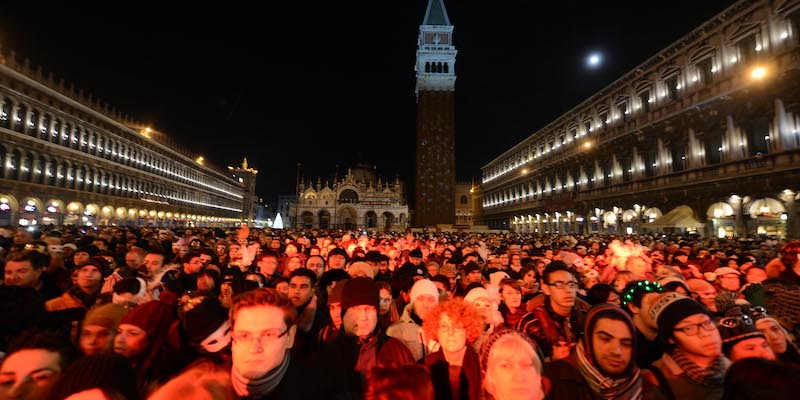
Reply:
x=336, y=292
x=486, y=347
x=107, y=316
x=100, y=263
x=672, y=308
x=108, y=372
x=415, y=253
x=358, y=292
x=476, y=294
x=154, y=317
x=204, y=319
x=424, y=286
x=736, y=326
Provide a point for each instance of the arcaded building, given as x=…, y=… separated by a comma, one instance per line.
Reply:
x=65, y=158
x=701, y=137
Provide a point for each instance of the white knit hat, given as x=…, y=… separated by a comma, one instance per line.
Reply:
x=424, y=286
x=475, y=294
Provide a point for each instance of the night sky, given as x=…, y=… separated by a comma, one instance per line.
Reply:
x=332, y=83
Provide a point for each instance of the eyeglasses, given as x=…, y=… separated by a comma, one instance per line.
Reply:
x=733, y=322
x=266, y=336
x=561, y=285
x=692, y=330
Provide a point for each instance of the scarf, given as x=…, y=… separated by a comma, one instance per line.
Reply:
x=261, y=387
x=712, y=376
x=627, y=388
x=305, y=319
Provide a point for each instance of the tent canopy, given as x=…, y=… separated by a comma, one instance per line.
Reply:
x=679, y=217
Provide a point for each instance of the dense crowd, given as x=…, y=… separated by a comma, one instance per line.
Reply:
x=150, y=313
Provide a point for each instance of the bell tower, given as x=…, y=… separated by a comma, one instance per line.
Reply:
x=435, y=146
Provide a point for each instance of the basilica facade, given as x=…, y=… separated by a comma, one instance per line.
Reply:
x=360, y=200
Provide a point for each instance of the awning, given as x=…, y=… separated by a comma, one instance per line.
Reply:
x=679, y=217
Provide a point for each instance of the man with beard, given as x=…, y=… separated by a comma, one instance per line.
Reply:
x=360, y=345
x=602, y=365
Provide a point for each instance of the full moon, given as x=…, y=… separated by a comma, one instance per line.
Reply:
x=594, y=60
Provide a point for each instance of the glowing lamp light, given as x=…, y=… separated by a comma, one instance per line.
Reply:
x=784, y=217
x=758, y=73
x=758, y=47
x=734, y=59
x=764, y=209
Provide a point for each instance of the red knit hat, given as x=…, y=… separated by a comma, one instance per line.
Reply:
x=154, y=317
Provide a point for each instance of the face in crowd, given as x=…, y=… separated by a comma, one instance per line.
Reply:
x=267, y=265
x=360, y=321
x=424, y=304
x=29, y=374
x=612, y=346
x=260, y=340
x=513, y=370
x=511, y=296
x=563, y=297
x=300, y=290
x=698, y=337
x=22, y=273
x=153, y=263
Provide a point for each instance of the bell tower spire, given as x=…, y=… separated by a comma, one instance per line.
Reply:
x=435, y=89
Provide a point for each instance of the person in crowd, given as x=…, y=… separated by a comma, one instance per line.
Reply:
x=99, y=328
x=337, y=259
x=311, y=316
x=185, y=278
x=316, y=264
x=34, y=363
x=71, y=307
x=512, y=367
x=332, y=329
x=693, y=365
x=602, y=293
x=203, y=334
x=758, y=378
x=360, y=345
x=263, y=326
x=267, y=265
x=603, y=364
x=142, y=339
x=487, y=304
x=423, y=296
x=455, y=368
x=471, y=274
x=388, y=314
x=511, y=307
x=740, y=337
x=638, y=298
x=777, y=337
x=557, y=324
x=727, y=280
x=25, y=268
x=703, y=292
x=402, y=382
x=787, y=266
x=99, y=376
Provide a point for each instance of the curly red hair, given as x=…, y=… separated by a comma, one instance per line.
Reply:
x=461, y=313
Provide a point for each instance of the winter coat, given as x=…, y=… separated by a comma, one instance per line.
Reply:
x=679, y=384
x=410, y=333
x=335, y=364
x=471, y=383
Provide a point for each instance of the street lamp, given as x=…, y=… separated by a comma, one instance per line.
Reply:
x=758, y=73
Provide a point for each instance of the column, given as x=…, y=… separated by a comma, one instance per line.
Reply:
x=738, y=211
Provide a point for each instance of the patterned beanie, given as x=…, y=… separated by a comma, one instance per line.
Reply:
x=486, y=348
x=672, y=308
x=736, y=326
